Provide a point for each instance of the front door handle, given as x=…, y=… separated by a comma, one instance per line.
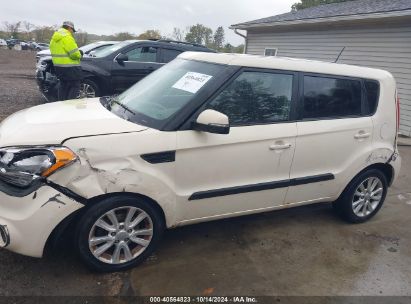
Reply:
x=362, y=135
x=277, y=147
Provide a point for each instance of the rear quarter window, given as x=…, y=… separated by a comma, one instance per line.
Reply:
x=372, y=90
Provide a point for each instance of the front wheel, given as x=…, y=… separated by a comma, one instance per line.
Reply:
x=363, y=197
x=89, y=89
x=118, y=233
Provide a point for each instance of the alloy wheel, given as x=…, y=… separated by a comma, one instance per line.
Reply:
x=87, y=91
x=367, y=196
x=120, y=235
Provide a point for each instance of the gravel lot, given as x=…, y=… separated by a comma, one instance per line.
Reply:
x=300, y=251
x=18, y=88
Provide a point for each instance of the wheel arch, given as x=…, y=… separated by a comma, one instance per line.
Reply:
x=385, y=168
x=60, y=231
x=97, y=199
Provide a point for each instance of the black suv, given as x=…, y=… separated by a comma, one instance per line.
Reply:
x=114, y=69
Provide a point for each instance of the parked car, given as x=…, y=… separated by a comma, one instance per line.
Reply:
x=207, y=136
x=3, y=43
x=38, y=46
x=11, y=43
x=85, y=48
x=116, y=68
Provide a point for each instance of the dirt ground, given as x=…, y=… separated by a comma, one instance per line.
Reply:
x=18, y=89
x=301, y=251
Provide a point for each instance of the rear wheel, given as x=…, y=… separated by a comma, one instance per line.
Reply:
x=89, y=89
x=118, y=233
x=363, y=197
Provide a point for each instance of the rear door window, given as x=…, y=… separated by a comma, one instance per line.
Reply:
x=169, y=54
x=331, y=97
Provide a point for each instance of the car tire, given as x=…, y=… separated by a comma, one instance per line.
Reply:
x=363, y=197
x=117, y=236
x=89, y=89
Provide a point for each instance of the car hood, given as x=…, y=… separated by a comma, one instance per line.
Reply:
x=44, y=52
x=54, y=122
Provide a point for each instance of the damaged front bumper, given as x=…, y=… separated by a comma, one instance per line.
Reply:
x=48, y=84
x=27, y=222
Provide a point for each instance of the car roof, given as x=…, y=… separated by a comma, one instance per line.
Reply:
x=105, y=42
x=175, y=44
x=288, y=64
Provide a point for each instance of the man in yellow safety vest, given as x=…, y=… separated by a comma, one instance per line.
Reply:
x=66, y=60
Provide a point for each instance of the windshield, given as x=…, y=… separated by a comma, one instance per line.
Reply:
x=165, y=92
x=109, y=50
x=88, y=47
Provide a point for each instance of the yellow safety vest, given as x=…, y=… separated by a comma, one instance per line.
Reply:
x=64, y=49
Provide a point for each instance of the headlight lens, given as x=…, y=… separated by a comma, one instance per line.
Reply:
x=41, y=64
x=21, y=166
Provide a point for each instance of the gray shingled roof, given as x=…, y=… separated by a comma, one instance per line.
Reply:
x=358, y=7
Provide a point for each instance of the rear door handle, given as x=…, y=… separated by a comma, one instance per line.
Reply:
x=362, y=135
x=280, y=147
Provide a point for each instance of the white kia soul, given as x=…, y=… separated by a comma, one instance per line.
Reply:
x=207, y=136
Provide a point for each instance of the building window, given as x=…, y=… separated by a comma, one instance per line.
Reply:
x=270, y=52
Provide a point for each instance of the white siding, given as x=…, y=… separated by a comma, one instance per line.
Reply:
x=387, y=48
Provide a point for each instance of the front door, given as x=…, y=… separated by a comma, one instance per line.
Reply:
x=142, y=60
x=248, y=169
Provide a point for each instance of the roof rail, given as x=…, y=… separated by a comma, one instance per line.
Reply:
x=181, y=42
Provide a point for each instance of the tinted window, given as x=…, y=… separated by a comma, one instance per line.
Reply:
x=169, y=55
x=143, y=54
x=373, y=93
x=256, y=97
x=331, y=97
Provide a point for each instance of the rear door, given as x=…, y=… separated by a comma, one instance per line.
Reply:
x=142, y=60
x=247, y=169
x=332, y=136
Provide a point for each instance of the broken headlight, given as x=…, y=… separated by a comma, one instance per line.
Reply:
x=21, y=166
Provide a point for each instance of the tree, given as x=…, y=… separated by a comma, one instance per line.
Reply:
x=12, y=29
x=228, y=48
x=178, y=34
x=199, y=34
x=123, y=36
x=150, y=34
x=28, y=28
x=43, y=33
x=82, y=38
x=219, y=38
x=310, y=3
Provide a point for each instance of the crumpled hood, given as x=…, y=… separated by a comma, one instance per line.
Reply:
x=54, y=122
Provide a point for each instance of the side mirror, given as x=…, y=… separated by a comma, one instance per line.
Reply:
x=212, y=122
x=121, y=58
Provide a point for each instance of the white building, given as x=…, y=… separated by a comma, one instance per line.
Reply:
x=374, y=33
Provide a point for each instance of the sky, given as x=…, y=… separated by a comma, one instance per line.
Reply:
x=136, y=16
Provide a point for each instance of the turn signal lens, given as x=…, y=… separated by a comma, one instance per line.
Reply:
x=63, y=157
